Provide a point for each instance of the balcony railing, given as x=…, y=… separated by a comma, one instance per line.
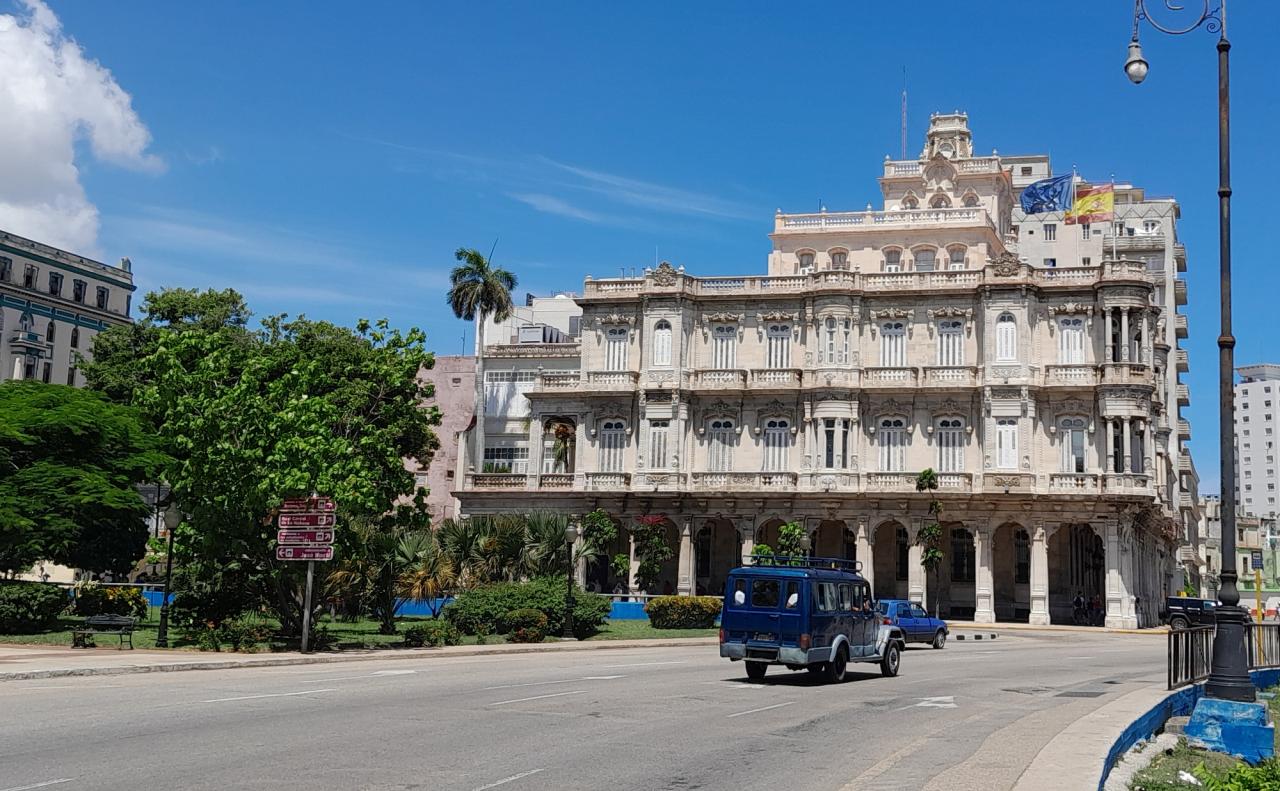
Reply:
x=905, y=218
x=612, y=380
x=744, y=481
x=1180, y=325
x=497, y=480
x=1127, y=373
x=1180, y=357
x=1184, y=429
x=555, y=480
x=608, y=481
x=891, y=482
x=1138, y=241
x=1126, y=483
x=1071, y=375
x=559, y=380
x=1184, y=395
x=953, y=482
x=889, y=377
x=950, y=376
x=1180, y=292
x=775, y=377
x=1073, y=483
x=720, y=379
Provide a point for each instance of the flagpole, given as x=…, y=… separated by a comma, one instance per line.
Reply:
x=1074, y=175
x=1114, y=241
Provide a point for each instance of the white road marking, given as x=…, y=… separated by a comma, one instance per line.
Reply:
x=42, y=785
x=394, y=672
x=545, y=683
x=940, y=702
x=644, y=664
x=757, y=711
x=601, y=678
x=272, y=695
x=538, y=697
x=506, y=780
x=375, y=674
x=1080, y=658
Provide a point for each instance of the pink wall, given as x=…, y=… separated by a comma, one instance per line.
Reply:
x=454, y=378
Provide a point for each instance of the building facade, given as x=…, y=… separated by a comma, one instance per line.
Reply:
x=454, y=380
x=1257, y=396
x=52, y=304
x=878, y=344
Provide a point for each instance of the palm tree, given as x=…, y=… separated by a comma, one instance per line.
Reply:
x=429, y=574
x=478, y=290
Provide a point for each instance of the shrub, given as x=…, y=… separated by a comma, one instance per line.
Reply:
x=27, y=607
x=94, y=599
x=244, y=633
x=525, y=625
x=481, y=610
x=436, y=633
x=683, y=612
x=1242, y=777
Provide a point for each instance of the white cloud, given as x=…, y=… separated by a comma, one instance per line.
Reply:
x=658, y=197
x=52, y=96
x=553, y=205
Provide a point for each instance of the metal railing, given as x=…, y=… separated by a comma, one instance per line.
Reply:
x=1264, y=644
x=1191, y=651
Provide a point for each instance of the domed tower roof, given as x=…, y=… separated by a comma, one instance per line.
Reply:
x=948, y=137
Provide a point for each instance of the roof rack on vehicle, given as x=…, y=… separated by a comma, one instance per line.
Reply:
x=809, y=562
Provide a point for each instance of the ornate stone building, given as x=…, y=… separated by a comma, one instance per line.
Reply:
x=881, y=343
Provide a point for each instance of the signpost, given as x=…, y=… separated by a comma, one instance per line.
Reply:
x=1255, y=560
x=306, y=544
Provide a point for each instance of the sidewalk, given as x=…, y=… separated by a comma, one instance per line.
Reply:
x=1160, y=631
x=31, y=662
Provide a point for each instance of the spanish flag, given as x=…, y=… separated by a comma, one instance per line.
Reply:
x=1093, y=204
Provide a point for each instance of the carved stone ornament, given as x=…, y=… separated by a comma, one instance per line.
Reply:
x=1007, y=481
x=777, y=315
x=664, y=275
x=1008, y=395
x=951, y=407
x=892, y=406
x=1069, y=308
x=722, y=408
x=893, y=313
x=1005, y=264
x=1074, y=406
x=613, y=411
x=722, y=318
x=775, y=407
x=615, y=318
x=950, y=313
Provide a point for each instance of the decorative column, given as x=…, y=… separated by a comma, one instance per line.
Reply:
x=983, y=587
x=1110, y=355
x=1145, y=354
x=1109, y=426
x=632, y=586
x=536, y=451
x=1124, y=335
x=684, y=567
x=1040, y=535
x=916, y=582
x=1126, y=437
x=865, y=549
x=1119, y=601
x=748, y=540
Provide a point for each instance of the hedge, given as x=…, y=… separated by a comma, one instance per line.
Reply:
x=94, y=599
x=483, y=610
x=525, y=626
x=27, y=607
x=436, y=633
x=683, y=612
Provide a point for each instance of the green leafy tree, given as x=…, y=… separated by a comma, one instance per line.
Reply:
x=652, y=549
x=428, y=574
x=789, y=538
x=930, y=536
x=70, y=463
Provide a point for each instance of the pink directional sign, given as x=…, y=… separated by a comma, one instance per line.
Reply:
x=295, y=504
x=304, y=553
x=304, y=537
x=311, y=519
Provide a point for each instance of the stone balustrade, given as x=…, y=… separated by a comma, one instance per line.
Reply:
x=889, y=377
x=1071, y=375
x=612, y=380
x=555, y=480
x=1073, y=483
x=497, y=480
x=775, y=377
x=720, y=379
x=607, y=481
x=950, y=376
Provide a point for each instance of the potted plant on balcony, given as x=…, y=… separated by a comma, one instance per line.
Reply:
x=563, y=437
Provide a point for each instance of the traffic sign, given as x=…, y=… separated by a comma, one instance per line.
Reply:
x=1255, y=559
x=308, y=519
x=296, y=504
x=311, y=552
x=304, y=537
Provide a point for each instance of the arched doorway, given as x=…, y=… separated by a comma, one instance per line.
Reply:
x=767, y=533
x=953, y=586
x=668, y=573
x=891, y=552
x=1077, y=564
x=833, y=540
x=717, y=550
x=1011, y=572
x=609, y=572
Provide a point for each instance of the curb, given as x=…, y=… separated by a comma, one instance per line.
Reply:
x=1159, y=631
x=410, y=653
x=978, y=636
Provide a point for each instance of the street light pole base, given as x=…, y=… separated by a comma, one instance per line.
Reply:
x=1229, y=677
x=1232, y=727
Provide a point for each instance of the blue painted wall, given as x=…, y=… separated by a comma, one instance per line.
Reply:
x=621, y=610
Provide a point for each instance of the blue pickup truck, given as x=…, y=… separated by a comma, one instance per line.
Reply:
x=917, y=625
x=814, y=614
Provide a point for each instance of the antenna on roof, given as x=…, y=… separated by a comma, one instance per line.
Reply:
x=904, y=112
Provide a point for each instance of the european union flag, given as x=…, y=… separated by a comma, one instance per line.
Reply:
x=1047, y=195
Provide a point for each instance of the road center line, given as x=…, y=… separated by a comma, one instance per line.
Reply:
x=757, y=711
x=45, y=783
x=544, y=683
x=272, y=695
x=506, y=780
x=538, y=697
x=645, y=664
x=377, y=674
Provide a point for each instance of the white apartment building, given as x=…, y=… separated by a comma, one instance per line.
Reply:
x=879, y=343
x=52, y=304
x=1257, y=397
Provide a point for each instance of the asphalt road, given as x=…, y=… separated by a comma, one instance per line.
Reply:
x=971, y=716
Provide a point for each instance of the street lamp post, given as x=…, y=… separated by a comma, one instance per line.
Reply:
x=1229, y=674
x=570, y=536
x=172, y=519
x=805, y=543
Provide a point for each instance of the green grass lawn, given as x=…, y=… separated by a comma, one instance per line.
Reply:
x=640, y=630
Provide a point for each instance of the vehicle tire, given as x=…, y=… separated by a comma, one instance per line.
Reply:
x=892, y=658
x=818, y=669
x=756, y=670
x=940, y=639
x=837, y=666
x=1178, y=622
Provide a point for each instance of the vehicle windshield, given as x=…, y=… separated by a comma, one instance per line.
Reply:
x=882, y=607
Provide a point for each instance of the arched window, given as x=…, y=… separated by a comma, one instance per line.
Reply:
x=613, y=439
x=925, y=260
x=893, y=260
x=1070, y=341
x=658, y=431
x=75, y=337
x=956, y=259
x=806, y=260
x=52, y=334
x=893, y=442
x=779, y=345
x=827, y=350
x=1021, y=557
x=721, y=450
x=846, y=343
x=662, y=343
x=724, y=346
x=910, y=202
x=940, y=202
x=1006, y=338
x=777, y=443
x=1071, y=432
x=616, y=348
x=1007, y=444
x=951, y=445
x=951, y=342
x=970, y=200
x=839, y=259
x=962, y=555
x=26, y=323
x=893, y=344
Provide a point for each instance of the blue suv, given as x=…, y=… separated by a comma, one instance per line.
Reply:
x=805, y=613
x=917, y=625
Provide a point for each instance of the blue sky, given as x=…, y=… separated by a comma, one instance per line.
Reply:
x=327, y=158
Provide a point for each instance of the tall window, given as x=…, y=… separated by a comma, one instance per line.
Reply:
x=779, y=340
x=724, y=346
x=6, y=269
x=951, y=445
x=29, y=281
x=1050, y=232
x=1085, y=230
x=846, y=341
x=1070, y=341
x=615, y=348
x=893, y=444
x=951, y=342
x=1139, y=451
x=806, y=260
x=47, y=375
x=55, y=284
x=925, y=260
x=957, y=259
x=658, y=444
x=662, y=343
x=52, y=334
x=77, y=291
x=1007, y=444
x=1021, y=557
x=835, y=432
x=1072, y=431
x=839, y=259
x=1006, y=338
x=904, y=553
x=613, y=438
x=893, y=260
x=962, y=555
x=722, y=439
x=103, y=295
x=827, y=352
x=777, y=443
x=71, y=376
x=75, y=337
x=506, y=459
x=893, y=344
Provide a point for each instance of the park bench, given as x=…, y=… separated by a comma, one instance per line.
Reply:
x=121, y=625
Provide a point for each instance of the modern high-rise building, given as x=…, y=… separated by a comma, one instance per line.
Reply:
x=1257, y=423
x=1031, y=364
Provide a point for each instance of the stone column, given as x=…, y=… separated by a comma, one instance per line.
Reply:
x=1110, y=350
x=1126, y=437
x=916, y=577
x=685, y=567
x=1119, y=578
x=535, y=451
x=983, y=585
x=865, y=543
x=1107, y=425
x=748, y=540
x=1124, y=335
x=1145, y=354
x=632, y=586
x=1040, y=535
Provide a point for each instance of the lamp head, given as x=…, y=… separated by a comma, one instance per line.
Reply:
x=805, y=543
x=571, y=533
x=1136, y=66
x=172, y=517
